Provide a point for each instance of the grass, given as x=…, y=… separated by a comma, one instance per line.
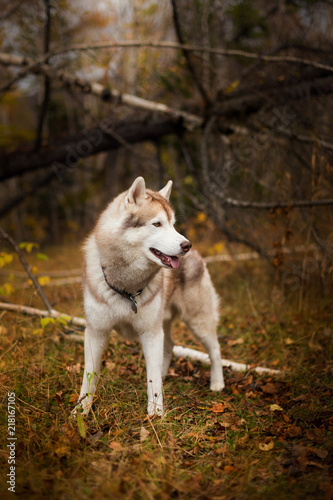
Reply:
x=233, y=445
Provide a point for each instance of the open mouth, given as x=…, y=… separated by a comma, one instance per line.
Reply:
x=167, y=260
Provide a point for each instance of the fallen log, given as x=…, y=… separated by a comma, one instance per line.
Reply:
x=185, y=352
x=178, y=351
x=32, y=311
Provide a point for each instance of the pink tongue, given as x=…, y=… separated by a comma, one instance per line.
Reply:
x=174, y=262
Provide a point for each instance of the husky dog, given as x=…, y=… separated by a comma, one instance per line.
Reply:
x=139, y=275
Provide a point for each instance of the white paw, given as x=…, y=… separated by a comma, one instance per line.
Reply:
x=217, y=386
x=155, y=409
x=83, y=404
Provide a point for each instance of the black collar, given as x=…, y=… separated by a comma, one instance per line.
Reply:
x=123, y=293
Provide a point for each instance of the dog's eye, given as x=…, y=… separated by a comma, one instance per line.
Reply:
x=157, y=224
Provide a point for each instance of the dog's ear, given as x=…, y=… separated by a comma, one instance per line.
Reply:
x=166, y=191
x=136, y=193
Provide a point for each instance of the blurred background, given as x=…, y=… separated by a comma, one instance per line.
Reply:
x=232, y=100
x=93, y=94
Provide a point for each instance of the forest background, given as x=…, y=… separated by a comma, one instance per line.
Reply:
x=232, y=100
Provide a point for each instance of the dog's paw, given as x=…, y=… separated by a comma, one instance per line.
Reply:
x=73, y=414
x=155, y=409
x=83, y=406
x=217, y=386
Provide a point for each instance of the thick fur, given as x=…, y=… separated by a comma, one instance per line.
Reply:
x=133, y=223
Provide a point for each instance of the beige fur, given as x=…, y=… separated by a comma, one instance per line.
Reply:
x=118, y=254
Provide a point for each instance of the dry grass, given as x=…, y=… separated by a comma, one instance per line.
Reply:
x=233, y=445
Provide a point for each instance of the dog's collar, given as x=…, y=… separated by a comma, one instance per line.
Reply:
x=123, y=293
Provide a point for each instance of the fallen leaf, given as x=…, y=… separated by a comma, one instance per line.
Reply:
x=313, y=436
x=229, y=468
x=143, y=434
x=62, y=451
x=269, y=388
x=73, y=398
x=101, y=466
x=115, y=446
x=275, y=407
x=238, y=341
x=224, y=424
x=218, y=408
x=319, y=452
x=266, y=446
x=222, y=450
x=248, y=380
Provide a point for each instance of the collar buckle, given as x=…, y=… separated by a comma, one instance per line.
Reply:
x=123, y=293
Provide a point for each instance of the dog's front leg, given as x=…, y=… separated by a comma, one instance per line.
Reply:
x=94, y=345
x=152, y=345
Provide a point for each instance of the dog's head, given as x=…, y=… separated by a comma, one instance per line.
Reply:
x=149, y=222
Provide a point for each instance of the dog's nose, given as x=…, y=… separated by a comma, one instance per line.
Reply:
x=185, y=246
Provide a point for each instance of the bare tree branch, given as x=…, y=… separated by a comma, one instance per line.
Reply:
x=274, y=205
x=304, y=138
x=231, y=107
x=64, y=157
x=47, y=81
x=33, y=188
x=95, y=88
x=186, y=52
x=193, y=48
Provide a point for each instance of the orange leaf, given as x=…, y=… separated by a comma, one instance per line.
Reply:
x=269, y=388
x=218, y=408
x=229, y=468
x=115, y=446
x=222, y=450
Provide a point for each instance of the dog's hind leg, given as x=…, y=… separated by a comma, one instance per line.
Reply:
x=204, y=329
x=94, y=345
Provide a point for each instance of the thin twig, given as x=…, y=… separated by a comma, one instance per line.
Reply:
x=158, y=439
x=28, y=270
x=274, y=205
x=30, y=406
x=193, y=48
x=8, y=350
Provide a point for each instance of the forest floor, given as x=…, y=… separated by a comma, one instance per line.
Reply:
x=264, y=437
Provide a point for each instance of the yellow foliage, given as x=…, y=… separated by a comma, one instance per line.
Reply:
x=28, y=246
x=231, y=87
x=219, y=247
x=38, y=331
x=201, y=217
x=5, y=258
x=44, y=280
x=7, y=289
x=191, y=233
